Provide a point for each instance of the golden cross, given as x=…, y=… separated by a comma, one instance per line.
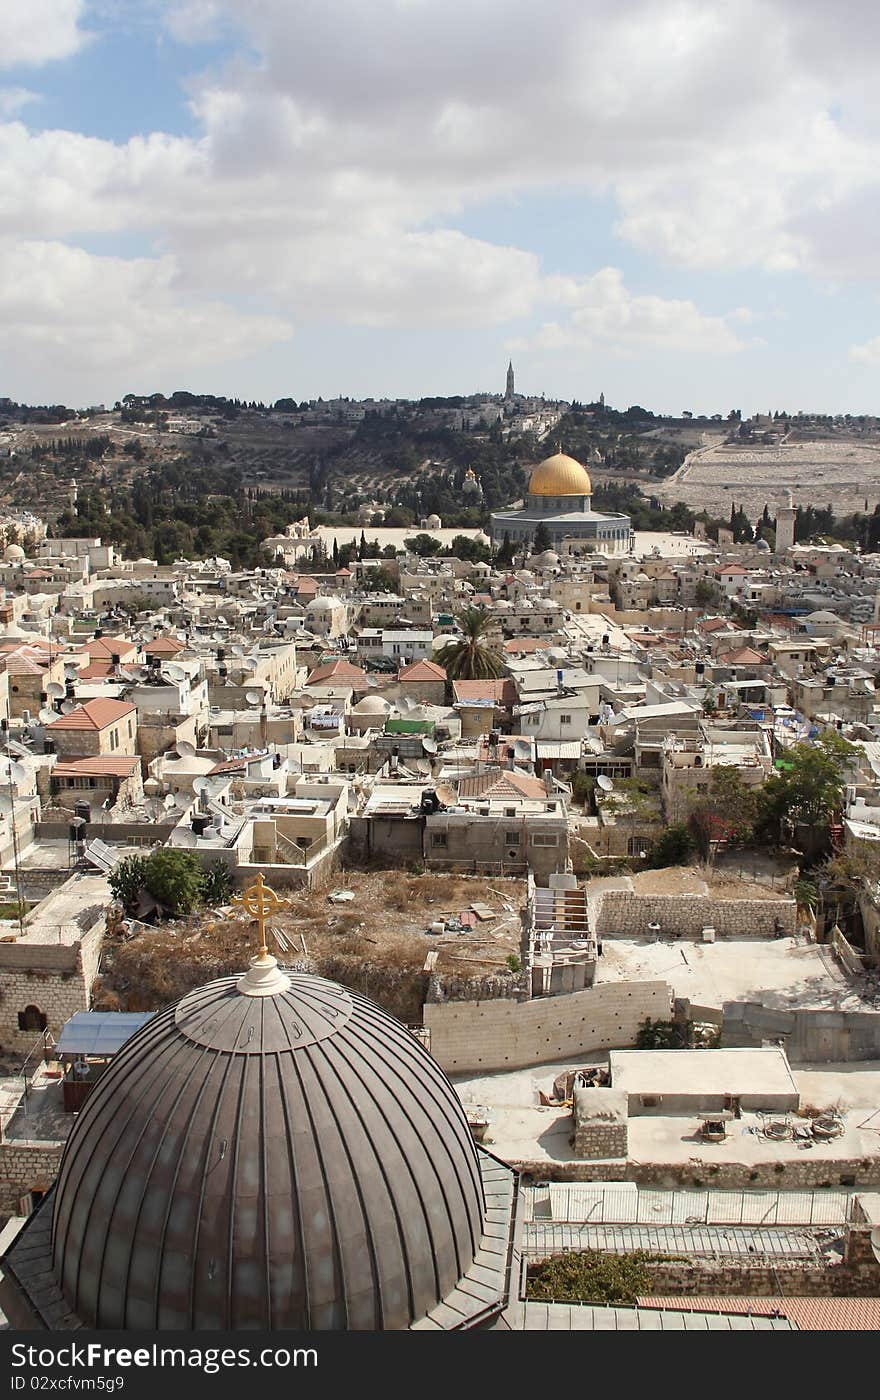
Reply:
x=260, y=901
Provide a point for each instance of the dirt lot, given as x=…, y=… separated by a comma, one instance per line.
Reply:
x=376, y=943
x=721, y=883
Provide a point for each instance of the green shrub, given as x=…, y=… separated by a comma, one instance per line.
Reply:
x=174, y=878
x=590, y=1276
x=127, y=880
x=217, y=883
x=514, y=963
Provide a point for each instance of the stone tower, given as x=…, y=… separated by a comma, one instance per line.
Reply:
x=785, y=518
x=509, y=391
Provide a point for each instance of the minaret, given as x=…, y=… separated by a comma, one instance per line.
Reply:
x=72, y=495
x=509, y=391
x=785, y=518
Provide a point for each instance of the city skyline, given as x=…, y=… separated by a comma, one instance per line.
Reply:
x=392, y=200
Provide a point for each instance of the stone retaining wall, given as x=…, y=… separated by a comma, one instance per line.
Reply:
x=503, y=1034
x=621, y=913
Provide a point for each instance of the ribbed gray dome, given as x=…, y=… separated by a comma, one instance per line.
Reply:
x=288, y=1161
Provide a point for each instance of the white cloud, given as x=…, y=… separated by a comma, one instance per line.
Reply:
x=65, y=310
x=336, y=149
x=867, y=353
x=12, y=99
x=602, y=309
x=37, y=31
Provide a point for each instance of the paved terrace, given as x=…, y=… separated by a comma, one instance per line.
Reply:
x=520, y=1130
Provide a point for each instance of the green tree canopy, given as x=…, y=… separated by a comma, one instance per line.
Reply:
x=807, y=787
x=469, y=657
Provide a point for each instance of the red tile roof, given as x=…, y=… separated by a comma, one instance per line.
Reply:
x=25, y=662
x=502, y=783
x=339, y=670
x=745, y=656
x=118, y=765
x=808, y=1314
x=94, y=714
x=103, y=648
x=502, y=691
x=164, y=646
x=422, y=671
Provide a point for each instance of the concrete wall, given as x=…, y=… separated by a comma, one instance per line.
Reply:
x=622, y=913
x=503, y=1034
x=822, y=1037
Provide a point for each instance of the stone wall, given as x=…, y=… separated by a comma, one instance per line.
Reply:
x=503, y=1034
x=26, y=1166
x=769, y=1281
x=600, y=1127
x=55, y=978
x=820, y=1037
x=731, y=1176
x=621, y=912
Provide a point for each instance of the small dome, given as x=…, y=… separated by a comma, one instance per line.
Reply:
x=371, y=705
x=560, y=475
x=14, y=553
x=433, y=522
x=271, y=1152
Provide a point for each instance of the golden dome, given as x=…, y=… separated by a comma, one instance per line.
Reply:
x=560, y=475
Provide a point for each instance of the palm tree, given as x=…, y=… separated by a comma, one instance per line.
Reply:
x=469, y=658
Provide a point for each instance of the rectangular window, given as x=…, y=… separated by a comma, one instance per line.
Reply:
x=512, y=838
x=544, y=838
x=565, y=719
x=439, y=839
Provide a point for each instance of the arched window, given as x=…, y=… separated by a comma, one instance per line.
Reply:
x=31, y=1019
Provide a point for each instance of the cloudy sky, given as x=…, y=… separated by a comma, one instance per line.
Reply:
x=672, y=201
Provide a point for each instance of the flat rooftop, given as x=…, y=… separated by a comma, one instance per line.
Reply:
x=784, y=973
x=741, y=1072
x=520, y=1130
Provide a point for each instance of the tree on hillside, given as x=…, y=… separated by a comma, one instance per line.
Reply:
x=543, y=539
x=807, y=788
x=469, y=657
x=725, y=811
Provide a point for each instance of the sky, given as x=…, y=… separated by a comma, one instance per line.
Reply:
x=671, y=202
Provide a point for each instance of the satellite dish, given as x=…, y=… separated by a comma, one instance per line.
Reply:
x=169, y=801
x=68, y=706
x=429, y=745
x=175, y=673
x=185, y=836
x=447, y=795
x=185, y=749
x=522, y=751
x=47, y=716
x=71, y=670
x=254, y=697
x=423, y=767
x=604, y=783
x=201, y=785
x=55, y=690
x=237, y=649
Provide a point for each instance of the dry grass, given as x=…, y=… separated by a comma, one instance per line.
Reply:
x=376, y=943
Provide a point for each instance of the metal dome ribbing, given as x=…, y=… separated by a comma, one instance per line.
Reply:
x=288, y=1161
